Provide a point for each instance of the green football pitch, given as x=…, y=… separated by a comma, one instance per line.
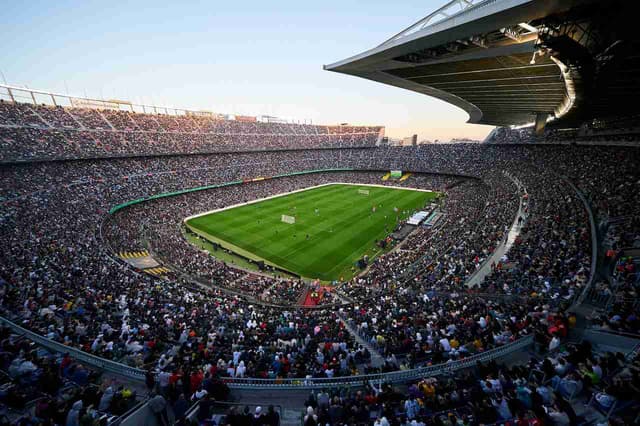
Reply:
x=335, y=225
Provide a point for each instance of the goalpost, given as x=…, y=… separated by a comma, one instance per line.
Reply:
x=363, y=191
x=288, y=219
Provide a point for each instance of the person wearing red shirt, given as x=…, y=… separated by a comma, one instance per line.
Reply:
x=196, y=380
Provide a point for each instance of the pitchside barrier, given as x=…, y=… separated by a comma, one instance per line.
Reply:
x=404, y=376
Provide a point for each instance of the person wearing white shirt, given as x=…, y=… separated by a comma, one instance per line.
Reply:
x=444, y=342
x=163, y=380
x=558, y=417
x=597, y=370
x=495, y=384
x=26, y=367
x=163, y=362
x=482, y=322
x=554, y=343
x=240, y=371
x=502, y=407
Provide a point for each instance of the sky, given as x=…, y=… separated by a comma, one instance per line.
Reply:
x=232, y=57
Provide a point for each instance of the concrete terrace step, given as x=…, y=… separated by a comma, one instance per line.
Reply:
x=377, y=360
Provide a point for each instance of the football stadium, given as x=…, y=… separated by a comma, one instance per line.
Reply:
x=178, y=265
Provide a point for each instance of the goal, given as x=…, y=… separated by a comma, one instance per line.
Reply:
x=288, y=219
x=363, y=191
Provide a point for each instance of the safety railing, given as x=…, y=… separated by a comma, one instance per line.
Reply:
x=9, y=93
x=451, y=11
x=402, y=376
x=84, y=357
x=594, y=242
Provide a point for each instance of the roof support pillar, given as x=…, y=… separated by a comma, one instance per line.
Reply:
x=541, y=123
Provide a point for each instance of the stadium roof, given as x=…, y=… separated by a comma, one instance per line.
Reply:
x=504, y=61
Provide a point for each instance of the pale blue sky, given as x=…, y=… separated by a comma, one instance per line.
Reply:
x=245, y=57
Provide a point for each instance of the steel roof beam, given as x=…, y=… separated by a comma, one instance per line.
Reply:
x=551, y=64
x=497, y=80
x=444, y=11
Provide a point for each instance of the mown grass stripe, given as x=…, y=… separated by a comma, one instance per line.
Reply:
x=343, y=231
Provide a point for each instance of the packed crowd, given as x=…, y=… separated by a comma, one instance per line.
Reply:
x=623, y=132
x=29, y=132
x=545, y=390
x=47, y=389
x=51, y=222
x=618, y=298
x=612, y=186
x=506, y=135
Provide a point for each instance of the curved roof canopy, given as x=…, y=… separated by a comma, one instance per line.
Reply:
x=502, y=61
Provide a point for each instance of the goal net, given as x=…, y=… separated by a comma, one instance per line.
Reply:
x=288, y=219
x=363, y=191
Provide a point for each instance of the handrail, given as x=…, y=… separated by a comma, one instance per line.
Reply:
x=507, y=297
x=633, y=353
x=119, y=104
x=620, y=333
x=594, y=243
x=121, y=418
x=114, y=367
x=137, y=374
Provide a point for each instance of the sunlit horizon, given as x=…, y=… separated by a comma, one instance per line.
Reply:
x=249, y=59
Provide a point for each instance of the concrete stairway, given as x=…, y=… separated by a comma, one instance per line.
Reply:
x=377, y=360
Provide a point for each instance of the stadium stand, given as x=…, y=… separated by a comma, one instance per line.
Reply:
x=43, y=133
x=56, y=389
x=410, y=309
